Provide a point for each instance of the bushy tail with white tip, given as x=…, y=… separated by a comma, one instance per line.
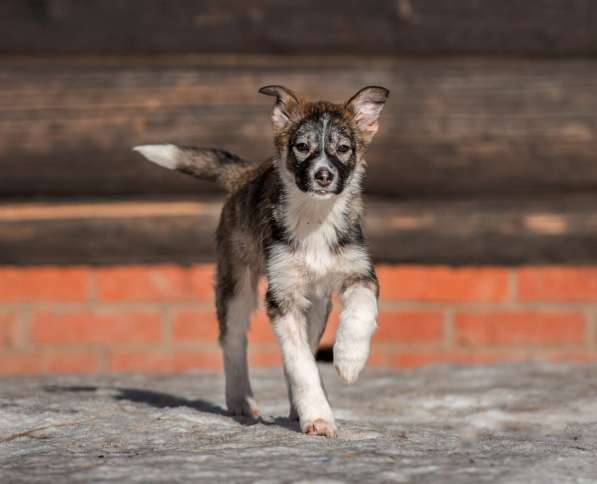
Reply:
x=210, y=164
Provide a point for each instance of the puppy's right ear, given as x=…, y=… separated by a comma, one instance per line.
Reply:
x=286, y=109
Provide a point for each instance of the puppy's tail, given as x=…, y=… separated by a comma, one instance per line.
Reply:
x=226, y=169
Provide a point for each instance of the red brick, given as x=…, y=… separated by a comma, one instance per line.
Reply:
x=8, y=327
x=165, y=362
x=20, y=364
x=393, y=326
x=261, y=329
x=419, y=359
x=265, y=356
x=558, y=284
x=572, y=356
x=329, y=335
x=82, y=327
x=144, y=283
x=67, y=362
x=270, y=356
x=443, y=284
x=53, y=362
x=410, y=327
x=44, y=284
x=202, y=282
x=379, y=357
x=262, y=288
x=528, y=327
x=202, y=325
x=195, y=325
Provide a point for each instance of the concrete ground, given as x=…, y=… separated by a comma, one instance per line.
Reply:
x=508, y=424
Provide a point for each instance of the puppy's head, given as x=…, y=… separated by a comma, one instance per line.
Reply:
x=321, y=144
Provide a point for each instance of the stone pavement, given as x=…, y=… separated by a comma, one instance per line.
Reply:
x=442, y=424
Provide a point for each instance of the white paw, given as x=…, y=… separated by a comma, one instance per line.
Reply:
x=350, y=358
x=320, y=426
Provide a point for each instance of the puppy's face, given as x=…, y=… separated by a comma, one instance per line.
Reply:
x=321, y=145
x=321, y=152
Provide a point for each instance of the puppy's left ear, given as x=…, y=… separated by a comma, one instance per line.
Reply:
x=286, y=107
x=365, y=106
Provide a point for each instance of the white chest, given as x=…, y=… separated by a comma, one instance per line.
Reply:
x=314, y=251
x=313, y=261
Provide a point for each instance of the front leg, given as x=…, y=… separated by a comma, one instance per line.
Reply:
x=358, y=321
x=317, y=315
x=314, y=411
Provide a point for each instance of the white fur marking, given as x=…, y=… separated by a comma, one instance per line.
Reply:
x=307, y=393
x=312, y=266
x=326, y=122
x=358, y=322
x=165, y=155
x=313, y=223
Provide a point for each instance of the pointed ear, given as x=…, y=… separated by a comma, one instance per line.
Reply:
x=286, y=107
x=365, y=106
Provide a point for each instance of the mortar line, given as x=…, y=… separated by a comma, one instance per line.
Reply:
x=393, y=305
x=512, y=296
x=93, y=296
x=24, y=317
x=449, y=329
x=591, y=335
x=103, y=358
x=167, y=320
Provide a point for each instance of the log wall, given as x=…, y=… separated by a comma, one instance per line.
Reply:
x=381, y=27
x=487, y=151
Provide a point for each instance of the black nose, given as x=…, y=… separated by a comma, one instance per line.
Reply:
x=324, y=177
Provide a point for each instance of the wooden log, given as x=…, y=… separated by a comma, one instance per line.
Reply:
x=450, y=128
x=108, y=233
x=524, y=231
x=383, y=27
x=540, y=230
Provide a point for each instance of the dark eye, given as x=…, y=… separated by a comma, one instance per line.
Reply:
x=343, y=149
x=302, y=147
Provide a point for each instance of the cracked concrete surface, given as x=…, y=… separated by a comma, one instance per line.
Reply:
x=508, y=424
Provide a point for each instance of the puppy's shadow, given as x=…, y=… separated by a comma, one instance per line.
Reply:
x=166, y=400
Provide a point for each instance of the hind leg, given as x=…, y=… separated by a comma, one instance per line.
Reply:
x=317, y=317
x=236, y=294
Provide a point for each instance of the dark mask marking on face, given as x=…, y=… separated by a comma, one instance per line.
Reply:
x=321, y=131
x=302, y=171
x=343, y=171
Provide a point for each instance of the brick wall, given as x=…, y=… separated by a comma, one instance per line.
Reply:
x=161, y=318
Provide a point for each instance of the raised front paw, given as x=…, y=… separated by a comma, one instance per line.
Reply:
x=350, y=357
x=320, y=427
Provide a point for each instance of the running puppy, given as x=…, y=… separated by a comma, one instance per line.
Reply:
x=295, y=218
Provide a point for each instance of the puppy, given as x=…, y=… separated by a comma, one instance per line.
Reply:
x=295, y=218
